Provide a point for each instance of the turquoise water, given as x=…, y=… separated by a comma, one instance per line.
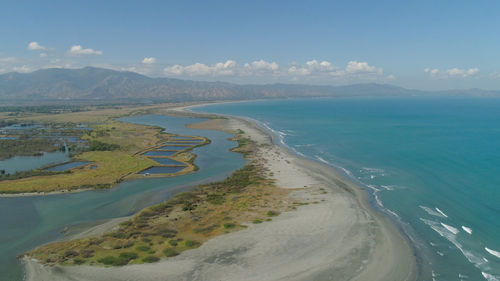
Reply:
x=26, y=222
x=433, y=165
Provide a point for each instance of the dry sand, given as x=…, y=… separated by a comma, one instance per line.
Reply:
x=336, y=237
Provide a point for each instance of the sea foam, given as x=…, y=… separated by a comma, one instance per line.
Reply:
x=441, y=212
x=489, y=277
x=495, y=253
x=431, y=212
x=450, y=228
x=443, y=231
x=467, y=229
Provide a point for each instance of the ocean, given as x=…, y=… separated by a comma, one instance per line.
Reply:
x=431, y=164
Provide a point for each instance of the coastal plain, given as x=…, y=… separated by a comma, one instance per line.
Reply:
x=333, y=235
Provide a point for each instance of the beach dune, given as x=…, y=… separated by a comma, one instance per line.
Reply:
x=335, y=236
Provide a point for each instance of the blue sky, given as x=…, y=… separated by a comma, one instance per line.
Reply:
x=416, y=44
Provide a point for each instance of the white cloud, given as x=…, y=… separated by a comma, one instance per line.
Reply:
x=43, y=55
x=149, y=60
x=325, y=70
x=311, y=70
x=78, y=50
x=390, y=77
x=262, y=65
x=451, y=73
x=227, y=68
x=22, y=69
x=456, y=72
x=34, y=46
x=312, y=67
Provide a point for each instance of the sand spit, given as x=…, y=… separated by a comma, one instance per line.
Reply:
x=337, y=236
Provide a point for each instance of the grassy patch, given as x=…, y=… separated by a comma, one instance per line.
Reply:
x=170, y=252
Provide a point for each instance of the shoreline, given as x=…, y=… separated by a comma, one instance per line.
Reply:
x=337, y=235
x=361, y=193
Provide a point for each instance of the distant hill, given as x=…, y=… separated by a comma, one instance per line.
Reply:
x=92, y=83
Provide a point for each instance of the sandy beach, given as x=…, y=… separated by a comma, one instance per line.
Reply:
x=337, y=236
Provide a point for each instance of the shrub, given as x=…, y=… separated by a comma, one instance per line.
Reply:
x=256, y=221
x=108, y=260
x=172, y=242
x=78, y=261
x=71, y=253
x=122, y=259
x=143, y=248
x=101, y=146
x=191, y=243
x=150, y=259
x=128, y=255
x=128, y=244
x=169, y=252
x=87, y=253
x=271, y=213
x=229, y=225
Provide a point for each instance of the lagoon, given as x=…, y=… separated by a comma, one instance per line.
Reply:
x=67, y=166
x=30, y=221
x=26, y=163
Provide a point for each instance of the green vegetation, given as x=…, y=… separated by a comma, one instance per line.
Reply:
x=183, y=222
x=229, y=225
x=25, y=147
x=102, y=146
x=272, y=213
x=123, y=259
x=150, y=259
x=115, y=149
x=169, y=252
x=27, y=174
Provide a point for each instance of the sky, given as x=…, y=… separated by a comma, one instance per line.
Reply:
x=429, y=45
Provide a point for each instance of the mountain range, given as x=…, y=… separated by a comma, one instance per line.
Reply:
x=96, y=84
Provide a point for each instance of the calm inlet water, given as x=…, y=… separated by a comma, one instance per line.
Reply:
x=26, y=222
x=26, y=163
x=433, y=163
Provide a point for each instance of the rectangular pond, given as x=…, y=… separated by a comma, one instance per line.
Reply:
x=181, y=143
x=183, y=138
x=162, y=170
x=159, y=153
x=175, y=147
x=167, y=161
x=26, y=163
x=67, y=166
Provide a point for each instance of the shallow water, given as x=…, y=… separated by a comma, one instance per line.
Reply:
x=173, y=147
x=67, y=166
x=432, y=164
x=162, y=170
x=26, y=163
x=159, y=153
x=30, y=221
x=167, y=161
